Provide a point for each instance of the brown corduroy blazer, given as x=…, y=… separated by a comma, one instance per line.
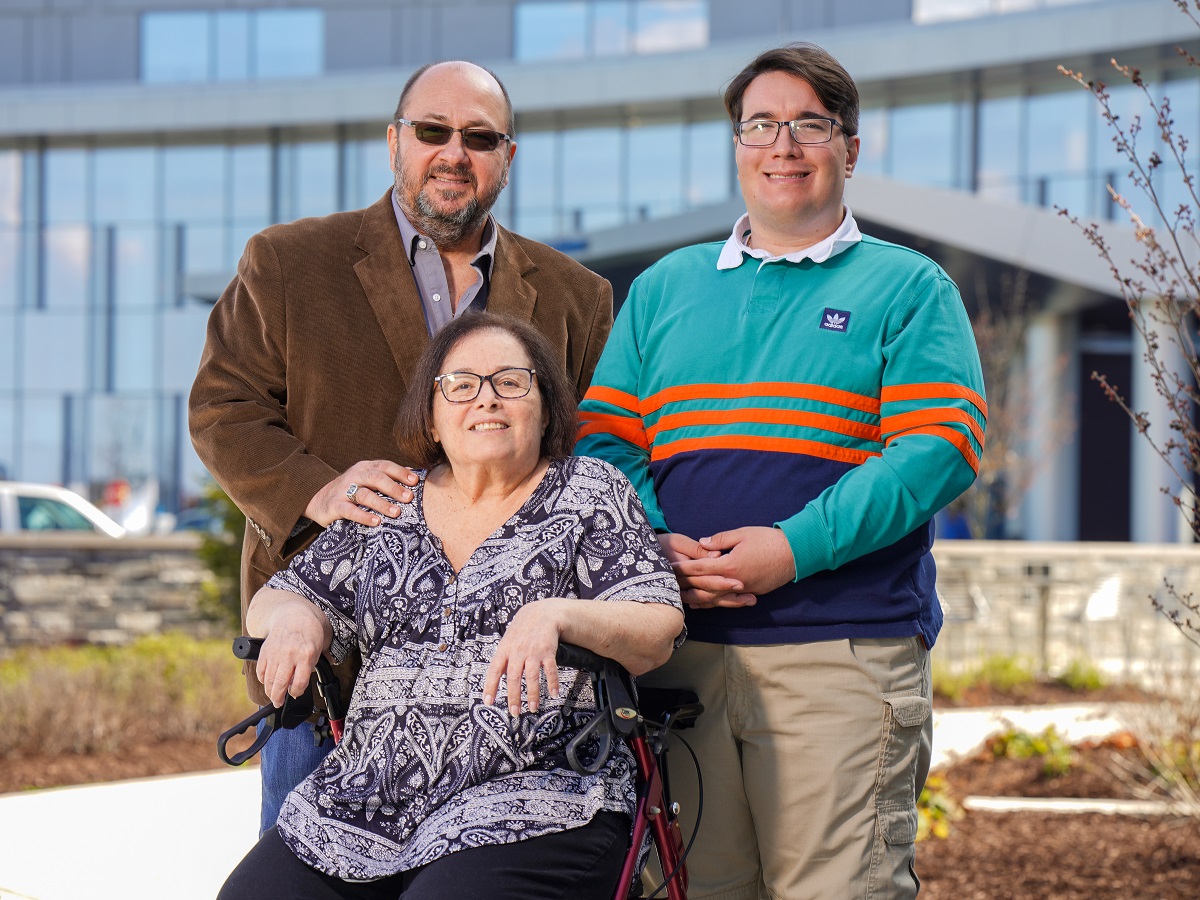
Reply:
x=311, y=347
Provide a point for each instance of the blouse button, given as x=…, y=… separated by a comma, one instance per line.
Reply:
x=442, y=648
x=447, y=610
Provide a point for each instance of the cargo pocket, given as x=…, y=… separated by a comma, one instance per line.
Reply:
x=895, y=797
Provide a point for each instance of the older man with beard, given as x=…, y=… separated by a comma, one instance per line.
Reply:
x=313, y=344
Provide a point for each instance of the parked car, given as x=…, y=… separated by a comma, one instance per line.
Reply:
x=47, y=507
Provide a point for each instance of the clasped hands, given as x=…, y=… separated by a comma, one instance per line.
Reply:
x=731, y=568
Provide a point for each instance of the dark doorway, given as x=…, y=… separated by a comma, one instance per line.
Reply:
x=1104, y=450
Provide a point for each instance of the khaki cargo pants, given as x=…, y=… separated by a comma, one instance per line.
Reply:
x=813, y=756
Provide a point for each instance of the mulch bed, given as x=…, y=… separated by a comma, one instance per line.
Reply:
x=988, y=856
x=20, y=773
x=1072, y=856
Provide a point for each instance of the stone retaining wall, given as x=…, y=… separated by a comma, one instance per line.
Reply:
x=57, y=588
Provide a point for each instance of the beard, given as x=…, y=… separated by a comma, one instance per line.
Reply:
x=448, y=229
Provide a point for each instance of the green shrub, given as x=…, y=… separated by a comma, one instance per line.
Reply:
x=106, y=699
x=220, y=594
x=1058, y=757
x=1081, y=675
x=936, y=809
x=1006, y=674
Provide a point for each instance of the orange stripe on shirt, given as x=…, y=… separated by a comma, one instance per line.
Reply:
x=752, y=442
x=792, y=390
x=932, y=391
x=957, y=438
x=765, y=415
x=627, y=429
x=909, y=420
x=613, y=397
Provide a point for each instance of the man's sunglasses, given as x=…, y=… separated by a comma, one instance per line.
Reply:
x=478, y=139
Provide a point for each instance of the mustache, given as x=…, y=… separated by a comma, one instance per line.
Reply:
x=453, y=171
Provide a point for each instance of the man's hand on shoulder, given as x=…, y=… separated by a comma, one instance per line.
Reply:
x=360, y=493
x=757, y=558
x=699, y=589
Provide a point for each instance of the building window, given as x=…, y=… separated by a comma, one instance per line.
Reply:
x=232, y=45
x=574, y=29
x=925, y=12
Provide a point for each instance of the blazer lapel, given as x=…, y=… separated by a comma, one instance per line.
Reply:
x=508, y=292
x=387, y=280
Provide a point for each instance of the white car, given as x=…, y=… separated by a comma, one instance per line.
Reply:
x=47, y=507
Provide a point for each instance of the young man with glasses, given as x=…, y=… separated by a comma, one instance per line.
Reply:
x=314, y=342
x=794, y=405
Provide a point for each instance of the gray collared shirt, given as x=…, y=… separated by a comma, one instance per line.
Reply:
x=430, y=275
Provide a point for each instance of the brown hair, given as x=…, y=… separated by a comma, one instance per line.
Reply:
x=830, y=82
x=511, y=125
x=414, y=424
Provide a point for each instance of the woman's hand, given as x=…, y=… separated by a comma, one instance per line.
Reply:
x=295, y=633
x=527, y=649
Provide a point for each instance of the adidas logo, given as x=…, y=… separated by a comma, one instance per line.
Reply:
x=835, y=320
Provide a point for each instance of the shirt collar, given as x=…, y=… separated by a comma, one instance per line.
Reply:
x=411, y=237
x=736, y=248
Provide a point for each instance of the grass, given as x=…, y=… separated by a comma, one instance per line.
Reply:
x=105, y=699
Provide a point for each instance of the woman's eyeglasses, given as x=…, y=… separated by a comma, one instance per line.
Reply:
x=463, y=387
x=480, y=140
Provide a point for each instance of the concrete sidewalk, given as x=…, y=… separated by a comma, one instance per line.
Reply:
x=179, y=836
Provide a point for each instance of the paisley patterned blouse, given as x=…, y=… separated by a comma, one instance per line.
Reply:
x=425, y=768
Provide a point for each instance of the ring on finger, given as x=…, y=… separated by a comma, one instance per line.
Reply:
x=351, y=491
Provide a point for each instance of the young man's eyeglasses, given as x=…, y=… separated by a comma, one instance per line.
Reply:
x=763, y=132
x=463, y=387
x=481, y=140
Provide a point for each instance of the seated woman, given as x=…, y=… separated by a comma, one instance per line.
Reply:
x=450, y=780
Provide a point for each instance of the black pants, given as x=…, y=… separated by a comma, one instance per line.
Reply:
x=579, y=864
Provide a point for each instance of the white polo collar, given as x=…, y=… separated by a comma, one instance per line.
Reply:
x=736, y=248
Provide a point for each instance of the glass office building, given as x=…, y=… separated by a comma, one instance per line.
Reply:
x=142, y=143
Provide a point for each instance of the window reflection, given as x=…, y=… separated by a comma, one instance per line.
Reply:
x=669, y=25
x=124, y=184
x=1056, y=149
x=135, y=352
x=368, y=171
x=121, y=442
x=65, y=185
x=250, y=181
x=193, y=183
x=55, y=350
x=924, y=144
x=180, y=47
x=612, y=30
x=175, y=47
x=40, y=439
x=10, y=187
x=534, y=181
x=709, y=153
x=999, y=173
x=231, y=44
x=135, y=256
x=577, y=29
x=873, y=145
x=309, y=176
x=66, y=264
x=550, y=31
x=591, y=188
x=654, y=185
x=288, y=43
x=8, y=361
x=9, y=283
